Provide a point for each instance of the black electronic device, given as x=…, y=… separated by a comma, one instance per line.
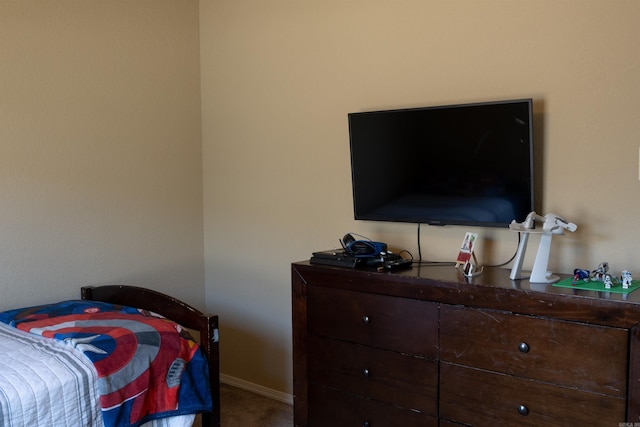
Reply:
x=335, y=257
x=388, y=261
x=469, y=164
x=395, y=263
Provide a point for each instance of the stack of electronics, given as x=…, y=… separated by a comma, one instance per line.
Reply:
x=361, y=253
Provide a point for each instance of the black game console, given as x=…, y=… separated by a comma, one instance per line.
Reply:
x=335, y=257
x=341, y=258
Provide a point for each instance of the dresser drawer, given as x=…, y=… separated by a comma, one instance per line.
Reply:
x=481, y=398
x=334, y=408
x=587, y=357
x=399, y=324
x=400, y=379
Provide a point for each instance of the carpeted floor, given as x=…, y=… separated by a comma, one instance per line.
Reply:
x=241, y=408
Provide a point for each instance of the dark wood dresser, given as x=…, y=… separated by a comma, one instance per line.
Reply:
x=428, y=347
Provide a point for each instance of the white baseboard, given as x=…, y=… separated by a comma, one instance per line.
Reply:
x=258, y=389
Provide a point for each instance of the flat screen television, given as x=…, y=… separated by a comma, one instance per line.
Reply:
x=468, y=164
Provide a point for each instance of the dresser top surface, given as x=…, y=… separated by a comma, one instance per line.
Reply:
x=492, y=289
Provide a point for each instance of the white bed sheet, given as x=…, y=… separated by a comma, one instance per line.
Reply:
x=44, y=383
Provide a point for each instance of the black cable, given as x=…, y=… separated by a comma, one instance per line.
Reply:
x=513, y=256
x=419, y=247
x=421, y=262
x=440, y=263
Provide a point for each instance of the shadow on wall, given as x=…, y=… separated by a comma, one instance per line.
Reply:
x=243, y=355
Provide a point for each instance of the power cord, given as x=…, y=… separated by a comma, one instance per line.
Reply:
x=421, y=262
x=442, y=262
x=512, y=257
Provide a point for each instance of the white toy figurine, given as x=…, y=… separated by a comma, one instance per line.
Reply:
x=608, y=283
x=626, y=279
x=599, y=273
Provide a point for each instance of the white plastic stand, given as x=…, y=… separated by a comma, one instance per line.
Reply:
x=516, y=270
x=552, y=224
x=539, y=273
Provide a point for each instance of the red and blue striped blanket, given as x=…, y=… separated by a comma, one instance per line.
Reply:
x=148, y=367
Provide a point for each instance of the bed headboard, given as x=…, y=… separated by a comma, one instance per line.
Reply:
x=179, y=312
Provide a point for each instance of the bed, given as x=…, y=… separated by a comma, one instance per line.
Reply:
x=63, y=381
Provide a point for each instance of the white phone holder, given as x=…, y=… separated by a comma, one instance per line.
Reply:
x=551, y=224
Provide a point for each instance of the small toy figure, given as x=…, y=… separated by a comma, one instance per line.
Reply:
x=608, y=283
x=626, y=279
x=580, y=274
x=600, y=271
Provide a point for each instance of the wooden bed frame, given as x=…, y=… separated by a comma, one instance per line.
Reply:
x=179, y=312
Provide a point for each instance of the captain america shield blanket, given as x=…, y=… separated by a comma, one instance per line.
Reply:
x=148, y=367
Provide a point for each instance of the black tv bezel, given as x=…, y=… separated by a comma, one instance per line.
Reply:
x=438, y=222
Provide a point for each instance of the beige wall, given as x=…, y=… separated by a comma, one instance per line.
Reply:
x=100, y=132
x=279, y=77
x=100, y=148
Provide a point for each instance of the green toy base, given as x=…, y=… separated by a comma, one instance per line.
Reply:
x=597, y=286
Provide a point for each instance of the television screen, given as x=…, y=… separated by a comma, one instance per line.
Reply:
x=468, y=164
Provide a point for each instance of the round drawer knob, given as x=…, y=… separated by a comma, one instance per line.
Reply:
x=366, y=424
x=366, y=319
x=366, y=372
x=523, y=347
x=523, y=410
